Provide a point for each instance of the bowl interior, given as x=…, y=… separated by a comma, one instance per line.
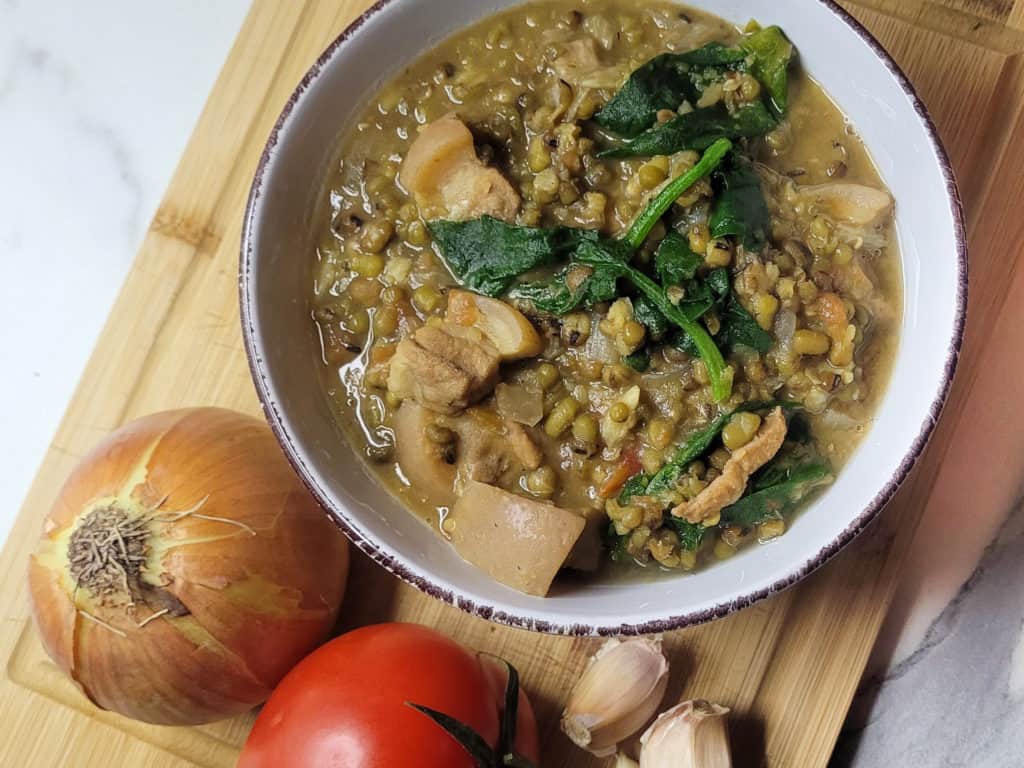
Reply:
x=276, y=275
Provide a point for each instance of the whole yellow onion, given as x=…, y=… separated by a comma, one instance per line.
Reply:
x=183, y=569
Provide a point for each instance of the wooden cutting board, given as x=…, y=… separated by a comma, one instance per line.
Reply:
x=788, y=666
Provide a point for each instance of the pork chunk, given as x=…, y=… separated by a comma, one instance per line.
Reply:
x=577, y=59
x=484, y=452
x=854, y=280
x=529, y=455
x=520, y=542
x=579, y=64
x=728, y=487
x=442, y=371
x=447, y=179
x=853, y=204
x=425, y=462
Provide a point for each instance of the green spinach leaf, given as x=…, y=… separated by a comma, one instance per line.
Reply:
x=639, y=361
x=700, y=295
x=690, y=534
x=555, y=295
x=777, y=490
x=648, y=315
x=665, y=82
x=799, y=429
x=616, y=545
x=697, y=130
x=661, y=202
x=739, y=327
x=674, y=262
x=736, y=325
x=772, y=53
x=703, y=294
x=487, y=254
x=598, y=256
x=635, y=486
x=711, y=55
x=699, y=442
x=695, y=446
x=676, y=265
x=740, y=209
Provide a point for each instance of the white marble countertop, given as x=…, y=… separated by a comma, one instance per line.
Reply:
x=98, y=101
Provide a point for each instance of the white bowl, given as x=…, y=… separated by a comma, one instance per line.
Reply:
x=275, y=277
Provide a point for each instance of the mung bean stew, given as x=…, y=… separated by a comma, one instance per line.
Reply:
x=605, y=288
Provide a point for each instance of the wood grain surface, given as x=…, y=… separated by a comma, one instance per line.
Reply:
x=788, y=666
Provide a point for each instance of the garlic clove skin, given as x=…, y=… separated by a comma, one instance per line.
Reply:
x=619, y=691
x=624, y=761
x=693, y=734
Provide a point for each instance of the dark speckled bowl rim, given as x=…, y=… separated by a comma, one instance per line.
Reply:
x=295, y=453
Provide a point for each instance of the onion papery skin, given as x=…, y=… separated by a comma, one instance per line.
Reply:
x=247, y=566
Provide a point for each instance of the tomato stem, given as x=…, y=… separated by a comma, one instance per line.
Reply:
x=516, y=761
x=468, y=739
x=507, y=736
x=474, y=744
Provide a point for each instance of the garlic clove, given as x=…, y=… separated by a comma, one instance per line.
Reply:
x=624, y=761
x=693, y=734
x=619, y=691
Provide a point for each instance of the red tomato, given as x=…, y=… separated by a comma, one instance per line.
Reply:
x=629, y=465
x=345, y=705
